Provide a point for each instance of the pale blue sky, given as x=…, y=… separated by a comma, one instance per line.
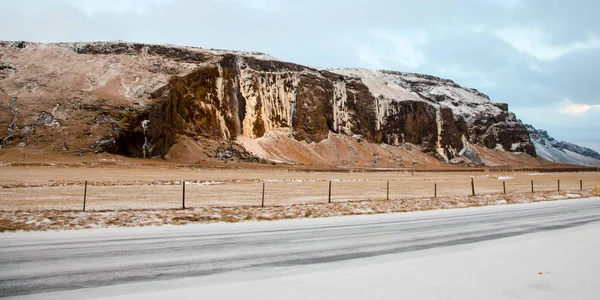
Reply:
x=539, y=56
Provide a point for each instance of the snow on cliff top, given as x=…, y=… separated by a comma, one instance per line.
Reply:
x=381, y=84
x=71, y=45
x=399, y=86
x=257, y=55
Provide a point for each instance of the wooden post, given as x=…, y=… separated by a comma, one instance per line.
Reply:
x=532, y=187
x=504, y=186
x=580, y=184
x=84, y=194
x=472, y=186
x=183, y=196
x=559, y=185
x=329, y=201
x=435, y=190
x=388, y=190
x=262, y=203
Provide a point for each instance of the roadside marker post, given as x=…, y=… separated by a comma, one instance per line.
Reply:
x=329, y=199
x=472, y=186
x=532, y=187
x=504, y=186
x=559, y=185
x=84, y=194
x=435, y=190
x=262, y=203
x=388, y=190
x=580, y=184
x=183, y=195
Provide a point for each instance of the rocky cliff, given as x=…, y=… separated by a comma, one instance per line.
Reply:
x=140, y=100
x=561, y=152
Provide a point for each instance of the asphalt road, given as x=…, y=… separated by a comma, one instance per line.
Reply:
x=40, y=262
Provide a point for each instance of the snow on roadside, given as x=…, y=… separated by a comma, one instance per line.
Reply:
x=72, y=220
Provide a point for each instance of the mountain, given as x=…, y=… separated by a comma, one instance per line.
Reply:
x=192, y=104
x=561, y=152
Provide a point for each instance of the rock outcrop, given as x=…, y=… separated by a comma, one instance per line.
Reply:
x=139, y=100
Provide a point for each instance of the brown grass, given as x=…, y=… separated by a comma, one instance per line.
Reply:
x=50, y=198
x=44, y=188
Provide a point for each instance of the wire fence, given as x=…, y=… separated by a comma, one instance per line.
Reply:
x=190, y=193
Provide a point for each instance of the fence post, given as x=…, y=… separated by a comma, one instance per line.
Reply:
x=472, y=186
x=329, y=199
x=183, y=195
x=388, y=190
x=435, y=190
x=532, y=187
x=84, y=194
x=262, y=203
x=504, y=186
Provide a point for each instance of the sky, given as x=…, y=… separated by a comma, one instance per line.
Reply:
x=539, y=56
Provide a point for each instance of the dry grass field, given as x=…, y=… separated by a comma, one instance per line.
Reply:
x=51, y=198
x=160, y=187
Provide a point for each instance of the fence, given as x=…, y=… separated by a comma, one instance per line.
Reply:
x=191, y=193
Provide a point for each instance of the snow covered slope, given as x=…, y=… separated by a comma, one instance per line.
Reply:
x=561, y=152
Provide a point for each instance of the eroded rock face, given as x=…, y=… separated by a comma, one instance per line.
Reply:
x=247, y=96
x=166, y=92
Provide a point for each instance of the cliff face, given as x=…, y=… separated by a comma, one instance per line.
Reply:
x=144, y=98
x=247, y=96
x=550, y=149
x=460, y=116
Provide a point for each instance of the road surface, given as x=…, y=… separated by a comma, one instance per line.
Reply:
x=34, y=264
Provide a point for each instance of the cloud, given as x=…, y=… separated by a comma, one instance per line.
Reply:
x=577, y=109
x=510, y=4
x=94, y=7
x=403, y=48
x=263, y=5
x=476, y=78
x=538, y=44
